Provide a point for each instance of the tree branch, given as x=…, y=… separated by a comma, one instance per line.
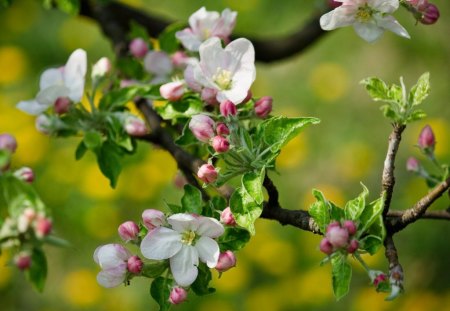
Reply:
x=438, y=215
x=395, y=268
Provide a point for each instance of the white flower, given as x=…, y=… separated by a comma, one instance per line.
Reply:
x=230, y=71
x=190, y=239
x=204, y=25
x=370, y=18
x=67, y=81
x=159, y=64
x=112, y=258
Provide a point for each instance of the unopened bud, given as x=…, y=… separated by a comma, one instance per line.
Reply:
x=379, y=279
x=350, y=226
x=353, y=246
x=332, y=225
x=135, y=127
x=129, y=231
x=138, y=47
x=325, y=246
x=222, y=129
x=135, y=264
x=101, y=68
x=180, y=59
x=62, y=105
x=172, y=91
x=220, y=144
x=8, y=142
x=23, y=261
x=43, y=124
x=25, y=219
x=202, y=127
x=227, y=108
x=426, y=138
x=208, y=95
x=337, y=236
x=227, y=218
x=42, y=226
x=412, y=165
x=207, y=173
x=227, y=260
x=430, y=14
x=25, y=173
x=263, y=106
x=334, y=4
x=177, y=295
x=153, y=218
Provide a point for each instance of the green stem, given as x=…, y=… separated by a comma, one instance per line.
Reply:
x=361, y=261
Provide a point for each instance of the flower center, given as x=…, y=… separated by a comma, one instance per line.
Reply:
x=188, y=237
x=223, y=78
x=364, y=13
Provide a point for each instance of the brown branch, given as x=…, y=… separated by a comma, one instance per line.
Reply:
x=395, y=268
x=438, y=215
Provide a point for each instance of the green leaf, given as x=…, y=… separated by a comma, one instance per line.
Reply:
x=92, y=140
x=138, y=31
x=319, y=210
x=278, y=131
x=5, y=3
x=420, y=90
x=37, y=273
x=341, y=272
x=56, y=241
x=175, y=209
x=80, y=151
x=192, y=200
x=371, y=213
x=219, y=203
x=117, y=99
x=154, y=269
x=336, y=213
x=160, y=291
x=252, y=183
x=109, y=160
x=69, y=6
x=245, y=210
x=167, y=40
x=180, y=109
x=355, y=207
x=416, y=115
x=201, y=283
x=376, y=88
x=233, y=239
x=187, y=137
x=5, y=158
x=371, y=244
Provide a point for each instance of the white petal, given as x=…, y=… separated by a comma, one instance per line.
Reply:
x=111, y=256
x=161, y=243
x=384, y=6
x=188, y=39
x=51, y=77
x=208, y=251
x=31, y=107
x=184, y=265
x=74, y=73
x=183, y=222
x=112, y=277
x=210, y=227
x=390, y=23
x=158, y=63
x=339, y=17
x=48, y=96
x=368, y=31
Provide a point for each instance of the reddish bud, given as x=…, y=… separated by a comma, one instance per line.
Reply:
x=325, y=246
x=426, y=138
x=180, y=59
x=222, y=129
x=430, y=15
x=209, y=96
x=135, y=264
x=350, y=226
x=153, y=218
x=138, y=47
x=128, y=231
x=227, y=218
x=62, y=105
x=202, y=127
x=227, y=108
x=263, y=106
x=334, y=4
x=135, y=127
x=419, y=5
x=353, y=246
x=337, y=236
x=172, y=91
x=332, y=225
x=207, y=173
x=8, y=142
x=25, y=173
x=177, y=295
x=379, y=279
x=412, y=164
x=42, y=226
x=227, y=260
x=220, y=144
x=23, y=261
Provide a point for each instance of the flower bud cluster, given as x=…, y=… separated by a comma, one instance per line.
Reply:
x=340, y=236
x=205, y=130
x=425, y=12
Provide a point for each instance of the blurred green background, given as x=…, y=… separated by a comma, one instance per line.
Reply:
x=279, y=269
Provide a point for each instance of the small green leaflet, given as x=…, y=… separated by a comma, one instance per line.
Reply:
x=341, y=272
x=160, y=291
x=192, y=202
x=37, y=273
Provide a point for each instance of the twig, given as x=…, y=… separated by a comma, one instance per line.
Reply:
x=395, y=268
x=438, y=215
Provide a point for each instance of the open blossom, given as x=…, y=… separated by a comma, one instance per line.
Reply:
x=67, y=81
x=230, y=71
x=206, y=24
x=370, y=18
x=159, y=64
x=113, y=259
x=189, y=240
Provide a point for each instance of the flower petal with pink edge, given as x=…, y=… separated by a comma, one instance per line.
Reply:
x=210, y=227
x=183, y=222
x=161, y=243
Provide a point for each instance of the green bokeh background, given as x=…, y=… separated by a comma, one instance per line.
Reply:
x=279, y=269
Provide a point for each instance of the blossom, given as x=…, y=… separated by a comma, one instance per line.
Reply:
x=113, y=259
x=153, y=218
x=159, y=64
x=128, y=231
x=230, y=71
x=206, y=24
x=67, y=81
x=172, y=91
x=263, y=106
x=190, y=239
x=227, y=260
x=177, y=295
x=369, y=18
x=207, y=173
x=202, y=127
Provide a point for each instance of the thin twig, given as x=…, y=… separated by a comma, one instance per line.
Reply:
x=438, y=215
x=395, y=268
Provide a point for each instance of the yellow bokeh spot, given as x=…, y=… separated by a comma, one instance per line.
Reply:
x=329, y=81
x=311, y=242
x=102, y=221
x=94, y=184
x=78, y=32
x=159, y=103
x=234, y=279
x=313, y=286
x=13, y=64
x=419, y=301
x=354, y=160
x=331, y=193
x=80, y=288
x=263, y=299
x=369, y=300
x=293, y=153
x=5, y=271
x=32, y=145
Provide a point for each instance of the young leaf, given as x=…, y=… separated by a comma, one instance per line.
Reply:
x=319, y=210
x=341, y=272
x=160, y=291
x=201, y=284
x=355, y=207
x=180, y=109
x=245, y=210
x=167, y=40
x=376, y=88
x=80, y=151
x=252, y=184
x=421, y=90
x=371, y=244
x=92, y=140
x=233, y=239
x=108, y=159
x=371, y=213
x=37, y=273
x=154, y=268
x=192, y=200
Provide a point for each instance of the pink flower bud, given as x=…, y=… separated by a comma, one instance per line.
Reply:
x=379, y=279
x=426, y=138
x=334, y=4
x=43, y=124
x=135, y=264
x=412, y=165
x=23, y=261
x=220, y=144
x=337, y=236
x=8, y=142
x=101, y=68
x=138, y=47
x=227, y=218
x=135, y=127
x=177, y=295
x=209, y=96
x=222, y=129
x=419, y=5
x=207, y=173
x=172, y=91
x=430, y=15
x=263, y=106
x=350, y=226
x=332, y=225
x=227, y=260
x=153, y=218
x=227, y=108
x=129, y=231
x=202, y=127
x=62, y=105
x=353, y=246
x=42, y=226
x=325, y=246
x=180, y=59
x=25, y=173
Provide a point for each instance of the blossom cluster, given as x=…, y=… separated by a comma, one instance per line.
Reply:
x=339, y=237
